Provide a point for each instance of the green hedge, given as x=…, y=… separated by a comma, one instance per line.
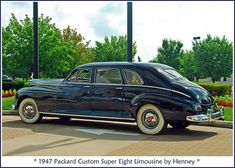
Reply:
x=216, y=89
x=14, y=85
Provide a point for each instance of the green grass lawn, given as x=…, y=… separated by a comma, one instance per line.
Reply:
x=7, y=102
x=228, y=114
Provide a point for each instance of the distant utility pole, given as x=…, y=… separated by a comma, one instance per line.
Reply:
x=35, y=37
x=129, y=31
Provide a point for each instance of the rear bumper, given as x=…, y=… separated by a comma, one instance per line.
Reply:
x=211, y=115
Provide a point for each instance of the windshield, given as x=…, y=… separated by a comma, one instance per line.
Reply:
x=172, y=74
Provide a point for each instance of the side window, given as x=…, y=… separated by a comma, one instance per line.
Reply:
x=108, y=75
x=133, y=77
x=81, y=76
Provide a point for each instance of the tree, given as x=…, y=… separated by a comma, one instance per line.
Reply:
x=84, y=53
x=18, y=48
x=214, y=56
x=113, y=49
x=57, y=50
x=189, y=66
x=169, y=53
x=55, y=54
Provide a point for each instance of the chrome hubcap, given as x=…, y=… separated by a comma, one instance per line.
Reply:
x=150, y=119
x=29, y=111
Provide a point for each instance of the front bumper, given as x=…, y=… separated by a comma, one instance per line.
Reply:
x=209, y=116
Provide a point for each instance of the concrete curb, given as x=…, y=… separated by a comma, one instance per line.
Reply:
x=217, y=123
x=10, y=112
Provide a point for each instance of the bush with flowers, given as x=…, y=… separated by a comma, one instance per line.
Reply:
x=8, y=93
x=226, y=101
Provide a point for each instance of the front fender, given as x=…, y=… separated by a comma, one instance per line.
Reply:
x=43, y=96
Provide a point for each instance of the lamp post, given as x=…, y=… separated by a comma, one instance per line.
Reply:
x=35, y=37
x=129, y=31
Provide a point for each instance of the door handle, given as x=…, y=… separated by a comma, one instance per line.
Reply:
x=118, y=88
x=86, y=86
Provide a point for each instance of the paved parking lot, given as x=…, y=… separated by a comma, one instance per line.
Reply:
x=52, y=137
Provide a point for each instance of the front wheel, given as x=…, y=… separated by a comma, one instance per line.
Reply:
x=28, y=111
x=150, y=120
x=179, y=124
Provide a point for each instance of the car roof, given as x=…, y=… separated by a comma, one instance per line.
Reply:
x=125, y=64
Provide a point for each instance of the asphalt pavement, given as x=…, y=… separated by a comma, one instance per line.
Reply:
x=53, y=137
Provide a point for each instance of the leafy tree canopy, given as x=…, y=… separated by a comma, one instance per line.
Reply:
x=113, y=49
x=169, y=53
x=214, y=56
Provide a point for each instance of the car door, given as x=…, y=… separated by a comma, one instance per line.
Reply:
x=74, y=94
x=106, y=93
x=132, y=88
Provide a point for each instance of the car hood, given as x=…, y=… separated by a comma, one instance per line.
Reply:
x=197, y=92
x=46, y=82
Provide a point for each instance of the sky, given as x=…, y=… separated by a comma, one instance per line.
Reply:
x=152, y=21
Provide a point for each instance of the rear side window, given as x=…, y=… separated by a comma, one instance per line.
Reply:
x=133, y=77
x=108, y=75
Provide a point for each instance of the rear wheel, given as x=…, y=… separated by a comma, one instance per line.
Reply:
x=179, y=124
x=28, y=111
x=150, y=120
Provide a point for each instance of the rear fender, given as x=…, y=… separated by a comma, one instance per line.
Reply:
x=172, y=108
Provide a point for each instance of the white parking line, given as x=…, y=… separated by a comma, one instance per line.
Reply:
x=104, y=131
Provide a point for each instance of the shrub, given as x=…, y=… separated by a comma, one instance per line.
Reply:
x=14, y=91
x=216, y=89
x=14, y=85
x=224, y=100
x=7, y=93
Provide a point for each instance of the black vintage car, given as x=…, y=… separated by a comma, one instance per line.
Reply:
x=150, y=94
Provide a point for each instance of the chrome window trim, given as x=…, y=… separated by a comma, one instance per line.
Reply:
x=77, y=83
x=131, y=85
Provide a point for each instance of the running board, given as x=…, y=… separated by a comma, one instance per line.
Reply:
x=89, y=116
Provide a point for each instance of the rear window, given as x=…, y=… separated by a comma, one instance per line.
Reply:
x=133, y=77
x=172, y=74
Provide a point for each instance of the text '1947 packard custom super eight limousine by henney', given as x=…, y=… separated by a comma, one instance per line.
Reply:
x=150, y=94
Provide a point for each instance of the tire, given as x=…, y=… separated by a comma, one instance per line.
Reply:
x=146, y=120
x=64, y=118
x=28, y=111
x=179, y=124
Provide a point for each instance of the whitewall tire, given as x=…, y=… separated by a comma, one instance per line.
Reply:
x=28, y=111
x=150, y=120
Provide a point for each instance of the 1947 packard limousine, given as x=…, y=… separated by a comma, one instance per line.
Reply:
x=150, y=94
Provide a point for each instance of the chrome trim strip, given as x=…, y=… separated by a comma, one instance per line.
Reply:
x=156, y=87
x=111, y=84
x=89, y=116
